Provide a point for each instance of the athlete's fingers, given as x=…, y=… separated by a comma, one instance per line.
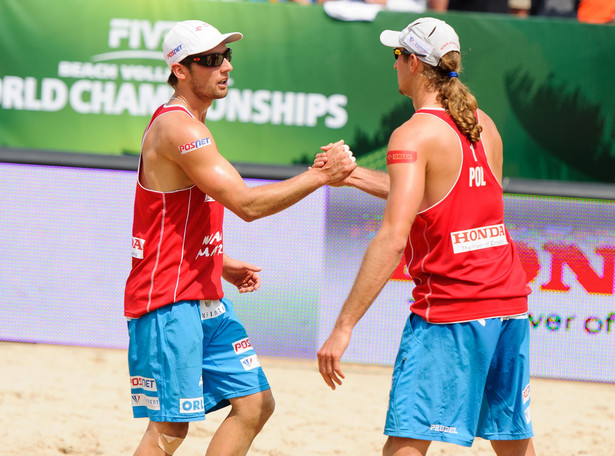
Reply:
x=337, y=372
x=329, y=368
x=324, y=372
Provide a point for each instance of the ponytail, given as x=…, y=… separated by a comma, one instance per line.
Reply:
x=454, y=96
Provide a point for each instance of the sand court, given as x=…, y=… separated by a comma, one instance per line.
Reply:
x=58, y=400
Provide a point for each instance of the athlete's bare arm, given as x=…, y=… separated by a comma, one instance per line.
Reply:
x=370, y=181
x=180, y=152
x=377, y=183
x=407, y=182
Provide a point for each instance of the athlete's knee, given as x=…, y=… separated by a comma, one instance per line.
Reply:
x=255, y=409
x=268, y=404
x=262, y=407
x=169, y=444
x=170, y=435
x=523, y=447
x=401, y=445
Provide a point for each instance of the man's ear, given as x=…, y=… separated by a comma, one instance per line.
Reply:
x=179, y=70
x=414, y=62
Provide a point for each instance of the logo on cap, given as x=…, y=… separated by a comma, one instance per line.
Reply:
x=417, y=44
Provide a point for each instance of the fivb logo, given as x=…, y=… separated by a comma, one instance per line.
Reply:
x=242, y=346
x=251, y=362
x=141, y=400
x=143, y=39
x=138, y=33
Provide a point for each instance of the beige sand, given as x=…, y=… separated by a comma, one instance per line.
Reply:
x=58, y=400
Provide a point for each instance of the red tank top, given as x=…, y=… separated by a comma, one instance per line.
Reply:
x=176, y=245
x=460, y=255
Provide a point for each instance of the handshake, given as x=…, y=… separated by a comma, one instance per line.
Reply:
x=336, y=161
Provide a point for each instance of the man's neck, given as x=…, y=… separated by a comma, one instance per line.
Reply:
x=196, y=106
x=426, y=99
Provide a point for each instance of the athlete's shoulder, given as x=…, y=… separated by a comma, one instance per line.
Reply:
x=421, y=130
x=489, y=131
x=485, y=120
x=178, y=131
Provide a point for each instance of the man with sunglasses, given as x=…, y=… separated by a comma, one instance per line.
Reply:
x=462, y=368
x=188, y=352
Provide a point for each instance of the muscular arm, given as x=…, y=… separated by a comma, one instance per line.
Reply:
x=407, y=182
x=205, y=167
x=376, y=183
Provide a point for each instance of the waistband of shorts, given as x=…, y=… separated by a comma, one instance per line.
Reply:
x=522, y=316
x=200, y=302
x=208, y=302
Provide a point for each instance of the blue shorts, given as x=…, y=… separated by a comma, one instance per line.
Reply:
x=454, y=382
x=189, y=358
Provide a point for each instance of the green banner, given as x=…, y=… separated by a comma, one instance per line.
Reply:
x=86, y=76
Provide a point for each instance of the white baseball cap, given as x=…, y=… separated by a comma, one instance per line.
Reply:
x=427, y=37
x=193, y=37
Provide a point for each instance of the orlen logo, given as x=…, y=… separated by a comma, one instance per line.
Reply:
x=194, y=145
x=137, y=247
x=148, y=384
x=242, y=346
x=191, y=405
x=250, y=362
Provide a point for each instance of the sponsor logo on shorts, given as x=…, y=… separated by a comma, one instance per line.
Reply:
x=479, y=238
x=147, y=384
x=194, y=405
x=526, y=394
x=211, y=309
x=242, y=346
x=440, y=428
x=141, y=400
x=528, y=416
x=250, y=362
x=137, y=247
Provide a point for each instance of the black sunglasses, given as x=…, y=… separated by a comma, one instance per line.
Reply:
x=210, y=60
x=397, y=52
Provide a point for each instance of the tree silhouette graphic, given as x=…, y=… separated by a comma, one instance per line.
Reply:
x=564, y=123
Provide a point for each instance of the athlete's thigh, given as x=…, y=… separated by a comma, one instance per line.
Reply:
x=438, y=381
x=231, y=367
x=505, y=414
x=165, y=355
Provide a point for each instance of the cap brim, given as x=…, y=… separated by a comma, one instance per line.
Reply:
x=226, y=38
x=230, y=37
x=390, y=38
